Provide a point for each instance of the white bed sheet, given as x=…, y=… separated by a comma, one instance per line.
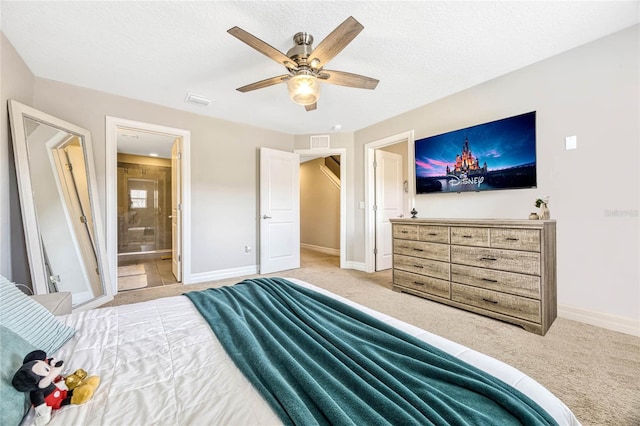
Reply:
x=160, y=364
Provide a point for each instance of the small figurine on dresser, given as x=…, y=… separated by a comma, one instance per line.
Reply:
x=414, y=213
x=542, y=203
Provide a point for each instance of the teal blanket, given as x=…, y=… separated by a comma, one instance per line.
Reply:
x=319, y=361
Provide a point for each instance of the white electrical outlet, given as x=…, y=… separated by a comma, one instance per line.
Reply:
x=571, y=142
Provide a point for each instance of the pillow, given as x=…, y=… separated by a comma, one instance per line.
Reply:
x=30, y=320
x=13, y=403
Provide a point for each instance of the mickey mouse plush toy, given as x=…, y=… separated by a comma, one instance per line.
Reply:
x=38, y=376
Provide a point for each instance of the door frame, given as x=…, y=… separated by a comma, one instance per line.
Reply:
x=342, y=152
x=369, y=188
x=113, y=124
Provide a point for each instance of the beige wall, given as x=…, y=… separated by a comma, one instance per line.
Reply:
x=16, y=82
x=591, y=92
x=319, y=207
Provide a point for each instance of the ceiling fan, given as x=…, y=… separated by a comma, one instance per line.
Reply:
x=305, y=65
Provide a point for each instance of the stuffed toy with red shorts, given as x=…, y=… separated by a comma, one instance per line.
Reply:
x=41, y=377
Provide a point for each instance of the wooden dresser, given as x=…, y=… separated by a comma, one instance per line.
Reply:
x=505, y=269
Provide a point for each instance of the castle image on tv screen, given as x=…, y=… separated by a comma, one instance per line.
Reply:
x=496, y=155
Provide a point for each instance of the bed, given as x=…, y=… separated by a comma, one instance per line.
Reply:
x=160, y=363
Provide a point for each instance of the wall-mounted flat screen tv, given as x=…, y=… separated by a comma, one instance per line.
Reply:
x=500, y=154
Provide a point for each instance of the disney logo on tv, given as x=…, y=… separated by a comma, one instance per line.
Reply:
x=464, y=180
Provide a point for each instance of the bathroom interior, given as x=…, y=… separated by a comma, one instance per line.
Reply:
x=144, y=222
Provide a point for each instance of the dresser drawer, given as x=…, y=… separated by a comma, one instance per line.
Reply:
x=407, y=232
x=507, y=304
x=505, y=260
x=434, y=234
x=422, y=283
x=467, y=236
x=508, y=282
x=432, y=268
x=516, y=239
x=421, y=249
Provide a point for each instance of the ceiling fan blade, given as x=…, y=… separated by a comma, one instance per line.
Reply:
x=342, y=78
x=262, y=47
x=264, y=83
x=335, y=42
x=311, y=107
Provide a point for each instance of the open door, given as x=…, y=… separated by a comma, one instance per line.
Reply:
x=388, y=179
x=176, y=210
x=279, y=210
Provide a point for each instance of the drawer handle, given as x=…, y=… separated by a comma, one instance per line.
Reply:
x=433, y=234
x=488, y=280
x=467, y=236
x=511, y=239
x=419, y=266
x=488, y=258
x=416, y=249
x=404, y=232
x=418, y=283
x=490, y=301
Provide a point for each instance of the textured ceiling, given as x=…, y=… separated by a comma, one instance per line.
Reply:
x=420, y=51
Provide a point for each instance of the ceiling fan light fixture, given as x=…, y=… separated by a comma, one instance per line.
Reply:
x=304, y=89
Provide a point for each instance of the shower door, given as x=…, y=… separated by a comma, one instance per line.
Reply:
x=144, y=208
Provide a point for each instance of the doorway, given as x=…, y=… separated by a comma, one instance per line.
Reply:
x=146, y=220
x=373, y=226
x=341, y=154
x=144, y=198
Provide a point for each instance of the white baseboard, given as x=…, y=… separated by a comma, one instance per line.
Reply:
x=610, y=322
x=358, y=266
x=221, y=274
x=325, y=250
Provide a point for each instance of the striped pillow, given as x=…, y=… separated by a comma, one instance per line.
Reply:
x=30, y=320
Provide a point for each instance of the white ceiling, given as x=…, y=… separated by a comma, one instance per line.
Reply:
x=420, y=51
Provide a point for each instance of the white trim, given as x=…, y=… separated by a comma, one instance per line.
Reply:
x=342, y=152
x=325, y=250
x=369, y=188
x=599, y=319
x=329, y=174
x=111, y=141
x=223, y=274
x=358, y=266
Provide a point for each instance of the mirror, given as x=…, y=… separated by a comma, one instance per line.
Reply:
x=59, y=201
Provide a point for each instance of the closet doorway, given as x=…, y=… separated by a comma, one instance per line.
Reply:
x=147, y=204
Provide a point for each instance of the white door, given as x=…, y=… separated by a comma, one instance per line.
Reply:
x=388, y=181
x=176, y=209
x=279, y=210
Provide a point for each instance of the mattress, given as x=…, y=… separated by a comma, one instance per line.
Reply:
x=160, y=363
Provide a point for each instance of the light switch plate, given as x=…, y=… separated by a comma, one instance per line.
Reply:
x=571, y=142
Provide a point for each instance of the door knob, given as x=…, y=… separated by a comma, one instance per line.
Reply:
x=266, y=217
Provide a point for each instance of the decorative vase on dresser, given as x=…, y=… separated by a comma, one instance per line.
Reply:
x=501, y=268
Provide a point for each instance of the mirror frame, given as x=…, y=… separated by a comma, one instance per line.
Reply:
x=35, y=254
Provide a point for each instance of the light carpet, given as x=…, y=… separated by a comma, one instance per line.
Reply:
x=595, y=371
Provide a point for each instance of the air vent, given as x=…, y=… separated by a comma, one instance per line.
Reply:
x=320, y=142
x=197, y=99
